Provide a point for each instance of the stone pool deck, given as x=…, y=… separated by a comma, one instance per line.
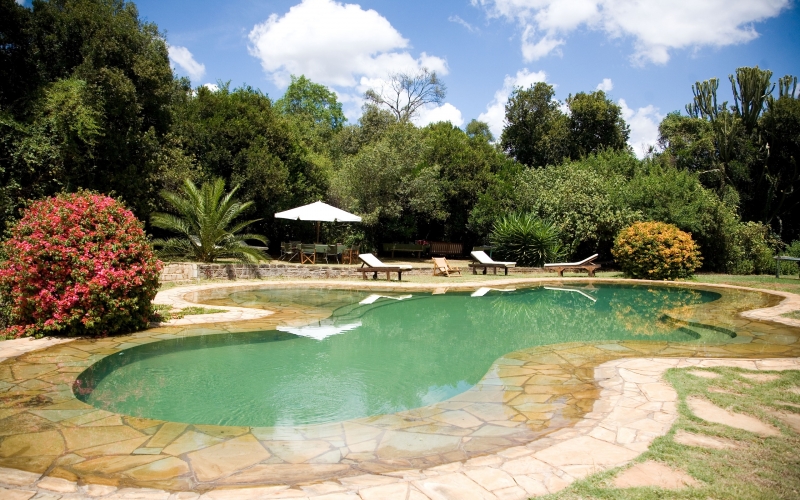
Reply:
x=537, y=421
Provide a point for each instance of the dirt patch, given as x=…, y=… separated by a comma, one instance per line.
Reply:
x=712, y=413
x=703, y=374
x=656, y=474
x=691, y=439
x=790, y=419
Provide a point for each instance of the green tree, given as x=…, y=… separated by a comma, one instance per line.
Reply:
x=537, y=131
x=595, y=123
x=238, y=135
x=92, y=108
x=778, y=181
x=379, y=182
x=204, y=221
x=480, y=129
x=687, y=142
x=579, y=197
x=313, y=102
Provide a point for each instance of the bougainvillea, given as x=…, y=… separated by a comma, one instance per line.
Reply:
x=77, y=264
x=656, y=251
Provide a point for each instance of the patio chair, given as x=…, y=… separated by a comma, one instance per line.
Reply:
x=442, y=268
x=349, y=253
x=586, y=264
x=308, y=254
x=332, y=254
x=294, y=249
x=486, y=262
x=286, y=251
x=372, y=264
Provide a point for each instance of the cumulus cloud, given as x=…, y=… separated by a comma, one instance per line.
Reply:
x=606, y=85
x=183, y=58
x=495, y=114
x=433, y=114
x=334, y=44
x=213, y=87
x=644, y=126
x=655, y=27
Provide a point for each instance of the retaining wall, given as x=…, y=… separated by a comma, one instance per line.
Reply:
x=185, y=271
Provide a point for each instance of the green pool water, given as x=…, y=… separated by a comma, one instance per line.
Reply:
x=373, y=358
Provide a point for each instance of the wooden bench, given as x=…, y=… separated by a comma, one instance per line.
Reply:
x=447, y=249
x=405, y=247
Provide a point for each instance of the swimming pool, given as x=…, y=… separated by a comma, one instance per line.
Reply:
x=384, y=352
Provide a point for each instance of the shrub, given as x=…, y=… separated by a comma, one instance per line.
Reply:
x=77, y=264
x=526, y=239
x=655, y=250
x=753, y=247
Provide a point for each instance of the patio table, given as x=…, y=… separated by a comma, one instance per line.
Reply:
x=778, y=259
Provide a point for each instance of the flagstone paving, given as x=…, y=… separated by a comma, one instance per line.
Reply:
x=539, y=419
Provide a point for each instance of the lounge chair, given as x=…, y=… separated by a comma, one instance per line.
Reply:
x=484, y=261
x=372, y=264
x=442, y=268
x=585, y=264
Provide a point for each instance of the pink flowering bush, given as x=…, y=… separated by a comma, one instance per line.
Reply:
x=77, y=264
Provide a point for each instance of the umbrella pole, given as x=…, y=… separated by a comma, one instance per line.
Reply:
x=317, y=231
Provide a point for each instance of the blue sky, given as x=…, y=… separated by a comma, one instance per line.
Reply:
x=648, y=52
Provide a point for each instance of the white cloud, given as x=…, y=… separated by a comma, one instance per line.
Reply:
x=334, y=44
x=644, y=126
x=606, y=85
x=458, y=20
x=433, y=114
x=656, y=27
x=185, y=60
x=495, y=114
x=213, y=87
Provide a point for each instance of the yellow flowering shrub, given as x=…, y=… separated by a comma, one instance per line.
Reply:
x=656, y=251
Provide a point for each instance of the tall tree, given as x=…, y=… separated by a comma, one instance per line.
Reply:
x=93, y=107
x=405, y=93
x=312, y=102
x=595, y=123
x=537, y=131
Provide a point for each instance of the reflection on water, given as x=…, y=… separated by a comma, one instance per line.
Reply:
x=320, y=330
x=385, y=355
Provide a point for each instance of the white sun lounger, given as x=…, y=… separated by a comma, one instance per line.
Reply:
x=372, y=264
x=484, y=261
x=585, y=264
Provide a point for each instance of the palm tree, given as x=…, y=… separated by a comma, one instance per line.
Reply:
x=203, y=220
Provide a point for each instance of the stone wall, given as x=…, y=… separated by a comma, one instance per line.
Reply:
x=178, y=271
x=184, y=271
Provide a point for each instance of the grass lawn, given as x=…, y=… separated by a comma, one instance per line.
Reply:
x=758, y=468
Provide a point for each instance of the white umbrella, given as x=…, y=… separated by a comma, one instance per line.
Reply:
x=317, y=212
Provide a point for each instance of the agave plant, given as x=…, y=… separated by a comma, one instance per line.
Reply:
x=205, y=221
x=526, y=239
